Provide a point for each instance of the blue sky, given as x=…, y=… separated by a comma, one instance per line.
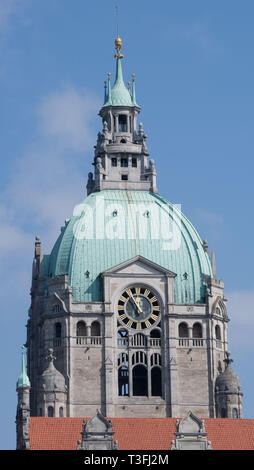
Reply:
x=194, y=81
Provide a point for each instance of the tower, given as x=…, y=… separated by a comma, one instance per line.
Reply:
x=23, y=407
x=127, y=315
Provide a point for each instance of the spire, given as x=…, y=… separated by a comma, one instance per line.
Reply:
x=213, y=265
x=133, y=97
x=119, y=95
x=23, y=380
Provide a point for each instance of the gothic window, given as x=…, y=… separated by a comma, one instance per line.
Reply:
x=50, y=412
x=81, y=329
x=95, y=329
x=156, y=381
x=138, y=340
x=139, y=357
x=155, y=359
x=183, y=331
x=197, y=330
x=123, y=381
x=139, y=380
x=122, y=123
x=58, y=330
x=217, y=333
x=123, y=374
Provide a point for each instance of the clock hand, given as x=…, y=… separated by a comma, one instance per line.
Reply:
x=136, y=303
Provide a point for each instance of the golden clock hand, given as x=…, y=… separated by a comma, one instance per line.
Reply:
x=136, y=303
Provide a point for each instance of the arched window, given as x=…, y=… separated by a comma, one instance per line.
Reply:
x=139, y=357
x=50, y=412
x=155, y=359
x=183, y=331
x=217, y=333
x=123, y=381
x=122, y=337
x=61, y=412
x=58, y=330
x=81, y=329
x=122, y=123
x=155, y=333
x=138, y=340
x=234, y=413
x=95, y=329
x=156, y=381
x=197, y=330
x=139, y=380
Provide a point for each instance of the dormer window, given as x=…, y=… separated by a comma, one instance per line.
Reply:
x=122, y=123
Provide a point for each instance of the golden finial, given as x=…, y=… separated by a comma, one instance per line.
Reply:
x=133, y=77
x=118, y=40
x=109, y=75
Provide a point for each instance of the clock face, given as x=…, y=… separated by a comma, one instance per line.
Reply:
x=138, y=308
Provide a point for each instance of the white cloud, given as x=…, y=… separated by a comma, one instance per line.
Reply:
x=49, y=178
x=65, y=116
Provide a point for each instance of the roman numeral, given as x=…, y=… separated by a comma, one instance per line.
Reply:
x=129, y=292
x=138, y=325
x=147, y=292
x=156, y=307
x=123, y=316
x=123, y=299
x=137, y=289
x=154, y=317
x=148, y=324
x=129, y=324
x=153, y=299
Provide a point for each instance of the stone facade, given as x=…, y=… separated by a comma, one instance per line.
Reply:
x=135, y=352
x=183, y=344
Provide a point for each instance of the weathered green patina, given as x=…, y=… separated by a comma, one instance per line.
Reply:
x=113, y=226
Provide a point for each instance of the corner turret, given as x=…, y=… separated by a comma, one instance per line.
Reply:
x=23, y=407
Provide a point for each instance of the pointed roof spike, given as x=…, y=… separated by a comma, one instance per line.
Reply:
x=109, y=100
x=23, y=380
x=105, y=92
x=213, y=265
x=120, y=95
x=133, y=90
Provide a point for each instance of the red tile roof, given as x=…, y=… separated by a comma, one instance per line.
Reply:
x=140, y=433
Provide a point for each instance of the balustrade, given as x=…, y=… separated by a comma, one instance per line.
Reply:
x=88, y=340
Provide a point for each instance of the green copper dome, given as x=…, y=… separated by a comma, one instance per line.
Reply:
x=113, y=226
x=119, y=95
